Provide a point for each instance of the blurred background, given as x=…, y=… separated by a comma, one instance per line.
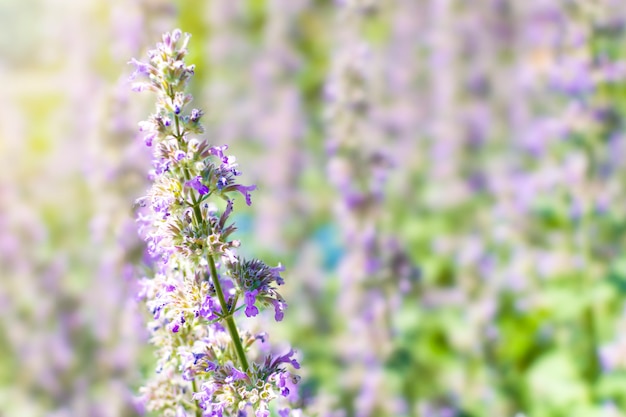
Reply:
x=443, y=180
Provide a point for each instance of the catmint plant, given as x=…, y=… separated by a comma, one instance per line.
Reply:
x=372, y=287
x=207, y=366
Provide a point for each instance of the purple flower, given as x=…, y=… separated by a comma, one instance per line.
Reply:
x=140, y=68
x=218, y=151
x=250, y=299
x=197, y=357
x=245, y=190
x=196, y=184
x=256, y=280
x=235, y=375
x=238, y=375
x=282, y=383
x=156, y=311
x=276, y=273
x=162, y=206
x=149, y=138
x=209, y=309
x=287, y=358
x=195, y=115
x=161, y=166
x=222, y=182
x=229, y=164
x=279, y=309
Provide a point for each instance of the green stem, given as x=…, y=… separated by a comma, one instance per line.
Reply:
x=592, y=369
x=195, y=389
x=230, y=322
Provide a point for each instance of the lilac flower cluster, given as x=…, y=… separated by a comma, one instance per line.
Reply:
x=372, y=285
x=71, y=333
x=200, y=283
x=540, y=171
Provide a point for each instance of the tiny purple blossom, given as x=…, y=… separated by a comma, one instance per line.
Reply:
x=276, y=272
x=218, y=151
x=245, y=190
x=229, y=163
x=282, y=383
x=197, y=357
x=149, y=138
x=279, y=309
x=195, y=115
x=162, y=206
x=161, y=166
x=235, y=375
x=287, y=358
x=250, y=299
x=209, y=309
x=196, y=184
x=141, y=68
x=238, y=375
x=222, y=182
x=210, y=367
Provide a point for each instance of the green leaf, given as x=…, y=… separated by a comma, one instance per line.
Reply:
x=554, y=384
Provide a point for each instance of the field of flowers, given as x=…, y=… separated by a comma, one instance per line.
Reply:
x=434, y=187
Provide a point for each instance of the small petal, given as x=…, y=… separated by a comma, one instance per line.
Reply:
x=287, y=358
x=196, y=184
x=149, y=138
x=238, y=375
x=218, y=151
x=245, y=190
x=250, y=299
x=251, y=311
x=195, y=115
x=140, y=68
x=279, y=307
